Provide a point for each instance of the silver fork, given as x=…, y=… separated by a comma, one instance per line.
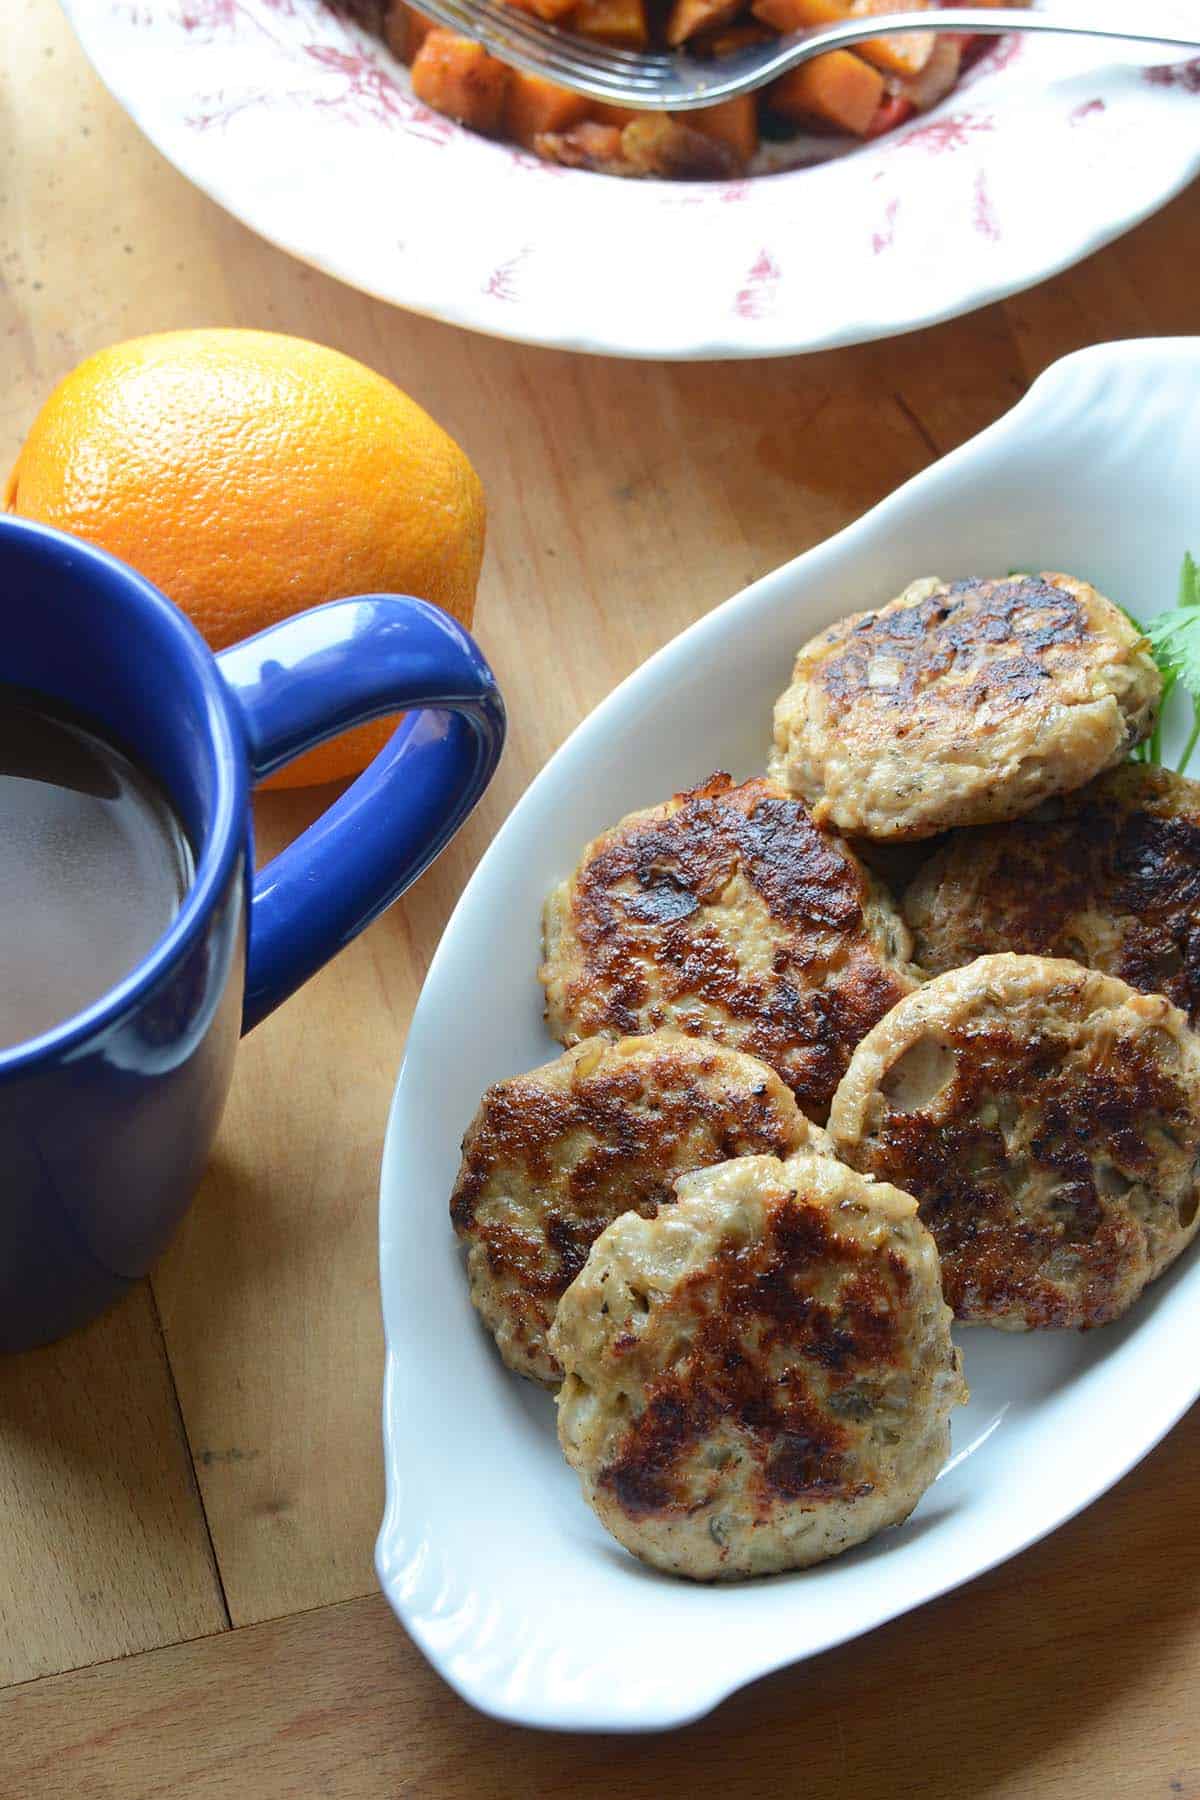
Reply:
x=662, y=81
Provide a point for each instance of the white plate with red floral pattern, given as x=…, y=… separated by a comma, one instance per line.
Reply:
x=306, y=129
x=487, y=1551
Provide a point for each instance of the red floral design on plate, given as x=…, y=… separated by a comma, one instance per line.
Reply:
x=218, y=15
x=1185, y=75
x=953, y=132
x=362, y=87
x=983, y=213
x=501, y=283
x=219, y=110
x=884, y=239
x=210, y=15
x=368, y=91
x=757, y=299
x=320, y=91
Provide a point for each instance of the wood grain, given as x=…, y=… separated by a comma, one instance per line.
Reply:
x=103, y=1546
x=1052, y=1676
x=625, y=501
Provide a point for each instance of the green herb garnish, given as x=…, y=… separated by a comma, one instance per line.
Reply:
x=1175, y=642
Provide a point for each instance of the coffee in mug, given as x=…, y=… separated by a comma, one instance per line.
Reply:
x=94, y=865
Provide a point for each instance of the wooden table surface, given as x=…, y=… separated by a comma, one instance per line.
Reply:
x=190, y=1489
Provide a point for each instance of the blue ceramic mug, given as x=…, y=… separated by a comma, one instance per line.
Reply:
x=107, y=1120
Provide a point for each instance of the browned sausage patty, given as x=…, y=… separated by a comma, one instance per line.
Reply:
x=726, y=913
x=1047, y=1119
x=961, y=703
x=552, y=1157
x=1108, y=875
x=761, y=1375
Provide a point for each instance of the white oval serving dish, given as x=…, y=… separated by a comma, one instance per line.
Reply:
x=306, y=129
x=487, y=1551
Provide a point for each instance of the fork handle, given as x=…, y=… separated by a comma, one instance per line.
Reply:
x=750, y=70
x=991, y=21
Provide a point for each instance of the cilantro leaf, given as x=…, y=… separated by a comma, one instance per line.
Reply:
x=1175, y=643
x=1175, y=640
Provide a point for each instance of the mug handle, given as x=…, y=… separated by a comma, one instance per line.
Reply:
x=310, y=678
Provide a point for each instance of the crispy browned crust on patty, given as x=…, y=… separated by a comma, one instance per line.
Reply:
x=762, y=1374
x=726, y=912
x=552, y=1157
x=962, y=702
x=1047, y=1119
x=1108, y=875
x=806, y=1292
x=999, y=632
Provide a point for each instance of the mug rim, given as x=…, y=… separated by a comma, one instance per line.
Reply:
x=228, y=762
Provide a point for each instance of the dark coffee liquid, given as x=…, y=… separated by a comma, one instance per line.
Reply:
x=93, y=866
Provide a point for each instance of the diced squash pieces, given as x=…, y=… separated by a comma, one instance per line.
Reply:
x=405, y=30
x=837, y=89
x=687, y=17
x=787, y=15
x=902, y=54
x=533, y=105
x=621, y=22
x=551, y=10
x=865, y=92
x=457, y=77
x=907, y=52
x=733, y=123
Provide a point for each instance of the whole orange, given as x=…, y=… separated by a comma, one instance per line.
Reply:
x=249, y=475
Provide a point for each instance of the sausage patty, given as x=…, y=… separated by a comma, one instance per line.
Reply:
x=552, y=1157
x=1047, y=1119
x=1108, y=875
x=961, y=703
x=727, y=913
x=762, y=1375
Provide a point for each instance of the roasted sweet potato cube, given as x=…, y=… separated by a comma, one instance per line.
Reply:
x=457, y=77
x=687, y=17
x=553, y=10
x=902, y=54
x=620, y=22
x=837, y=89
x=533, y=105
x=733, y=123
